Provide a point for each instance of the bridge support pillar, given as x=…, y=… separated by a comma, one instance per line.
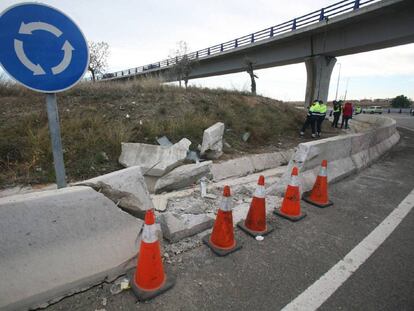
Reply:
x=319, y=70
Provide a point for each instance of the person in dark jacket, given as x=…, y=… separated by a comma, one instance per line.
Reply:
x=337, y=109
x=346, y=114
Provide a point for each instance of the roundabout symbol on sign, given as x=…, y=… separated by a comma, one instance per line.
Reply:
x=42, y=48
x=37, y=68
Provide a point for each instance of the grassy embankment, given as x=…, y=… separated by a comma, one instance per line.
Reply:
x=96, y=118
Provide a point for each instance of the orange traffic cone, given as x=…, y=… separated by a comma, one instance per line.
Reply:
x=290, y=208
x=221, y=240
x=319, y=194
x=149, y=278
x=255, y=223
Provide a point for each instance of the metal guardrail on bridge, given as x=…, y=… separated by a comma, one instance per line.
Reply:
x=314, y=17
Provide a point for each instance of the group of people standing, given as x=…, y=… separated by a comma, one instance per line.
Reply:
x=317, y=113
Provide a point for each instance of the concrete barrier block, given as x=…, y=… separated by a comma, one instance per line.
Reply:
x=128, y=180
x=55, y=243
x=328, y=149
x=231, y=168
x=154, y=160
x=183, y=176
x=177, y=227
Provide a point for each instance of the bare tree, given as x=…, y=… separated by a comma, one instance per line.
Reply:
x=98, y=58
x=249, y=70
x=183, y=64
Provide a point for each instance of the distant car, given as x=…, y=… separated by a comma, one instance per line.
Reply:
x=373, y=109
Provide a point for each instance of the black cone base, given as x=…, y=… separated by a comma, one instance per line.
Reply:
x=308, y=200
x=143, y=295
x=219, y=251
x=277, y=212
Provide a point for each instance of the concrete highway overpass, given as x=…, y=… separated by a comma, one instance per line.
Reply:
x=317, y=38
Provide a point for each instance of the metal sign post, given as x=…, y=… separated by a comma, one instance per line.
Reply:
x=43, y=49
x=55, y=137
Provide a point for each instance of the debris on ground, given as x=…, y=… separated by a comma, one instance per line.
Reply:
x=246, y=136
x=153, y=159
x=119, y=285
x=183, y=176
x=164, y=141
x=212, y=145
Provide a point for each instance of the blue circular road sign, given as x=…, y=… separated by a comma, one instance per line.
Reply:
x=42, y=48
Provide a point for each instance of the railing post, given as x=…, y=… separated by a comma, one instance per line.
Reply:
x=197, y=54
x=271, y=32
x=322, y=15
x=236, y=43
x=356, y=4
x=136, y=70
x=221, y=47
x=252, y=39
x=294, y=24
x=129, y=71
x=208, y=51
x=159, y=64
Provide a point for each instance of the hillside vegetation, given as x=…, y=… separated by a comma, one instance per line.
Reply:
x=96, y=118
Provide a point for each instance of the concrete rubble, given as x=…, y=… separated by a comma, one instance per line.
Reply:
x=126, y=187
x=55, y=243
x=154, y=160
x=212, y=145
x=176, y=227
x=183, y=176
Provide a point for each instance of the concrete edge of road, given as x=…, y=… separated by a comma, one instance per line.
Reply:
x=316, y=294
x=346, y=154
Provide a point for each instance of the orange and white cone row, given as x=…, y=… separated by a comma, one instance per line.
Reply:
x=319, y=193
x=221, y=240
x=255, y=222
x=290, y=208
x=149, y=278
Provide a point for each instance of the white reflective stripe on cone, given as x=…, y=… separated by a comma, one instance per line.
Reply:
x=260, y=192
x=323, y=171
x=226, y=204
x=294, y=181
x=149, y=234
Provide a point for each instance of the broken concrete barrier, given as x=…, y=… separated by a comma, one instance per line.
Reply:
x=55, y=243
x=212, y=145
x=177, y=227
x=345, y=153
x=183, y=176
x=250, y=164
x=154, y=160
x=127, y=186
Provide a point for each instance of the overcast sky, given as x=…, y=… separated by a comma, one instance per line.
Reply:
x=145, y=31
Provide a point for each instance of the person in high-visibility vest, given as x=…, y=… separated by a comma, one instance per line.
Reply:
x=321, y=114
x=337, y=109
x=311, y=119
x=358, y=110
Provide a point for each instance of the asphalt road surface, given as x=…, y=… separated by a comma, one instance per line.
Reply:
x=270, y=274
x=403, y=119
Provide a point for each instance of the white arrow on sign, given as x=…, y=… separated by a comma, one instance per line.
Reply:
x=28, y=28
x=67, y=58
x=36, y=69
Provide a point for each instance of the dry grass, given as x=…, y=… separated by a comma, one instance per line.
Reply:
x=96, y=118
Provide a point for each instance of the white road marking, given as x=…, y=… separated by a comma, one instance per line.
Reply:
x=316, y=294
